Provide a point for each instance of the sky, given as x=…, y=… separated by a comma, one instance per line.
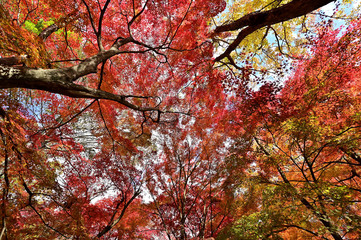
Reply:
x=328, y=9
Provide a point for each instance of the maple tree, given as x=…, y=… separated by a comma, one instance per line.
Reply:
x=87, y=86
x=189, y=197
x=137, y=22
x=305, y=148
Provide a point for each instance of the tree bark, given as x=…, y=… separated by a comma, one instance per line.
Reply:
x=48, y=31
x=61, y=80
x=256, y=20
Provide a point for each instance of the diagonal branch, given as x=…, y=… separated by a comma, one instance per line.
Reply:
x=257, y=20
x=48, y=31
x=61, y=81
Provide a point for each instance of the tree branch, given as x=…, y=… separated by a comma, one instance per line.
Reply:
x=256, y=20
x=61, y=80
x=48, y=31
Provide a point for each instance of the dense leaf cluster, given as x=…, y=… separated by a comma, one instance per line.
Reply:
x=187, y=119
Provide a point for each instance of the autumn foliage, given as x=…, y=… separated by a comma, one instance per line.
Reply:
x=304, y=157
x=179, y=120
